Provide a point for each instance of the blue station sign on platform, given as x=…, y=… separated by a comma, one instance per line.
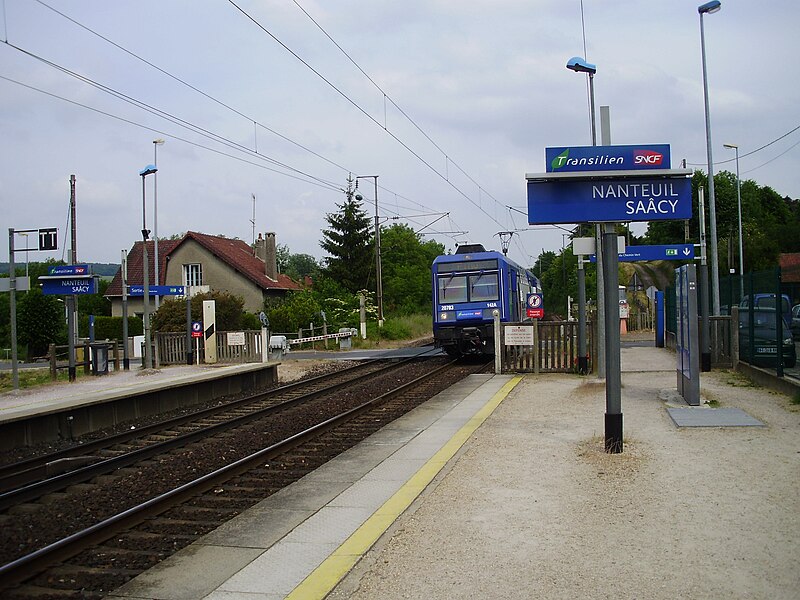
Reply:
x=644, y=253
x=610, y=200
x=157, y=290
x=607, y=158
x=70, y=285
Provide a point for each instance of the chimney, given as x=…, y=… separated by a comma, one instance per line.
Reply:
x=260, y=249
x=270, y=256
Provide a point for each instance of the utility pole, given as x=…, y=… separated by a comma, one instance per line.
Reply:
x=72, y=301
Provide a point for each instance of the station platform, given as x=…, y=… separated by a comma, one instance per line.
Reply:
x=63, y=410
x=499, y=488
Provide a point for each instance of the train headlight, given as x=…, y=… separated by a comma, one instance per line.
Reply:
x=447, y=315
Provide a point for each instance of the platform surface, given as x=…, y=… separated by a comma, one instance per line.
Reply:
x=499, y=488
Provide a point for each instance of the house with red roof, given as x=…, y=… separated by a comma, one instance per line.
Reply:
x=206, y=263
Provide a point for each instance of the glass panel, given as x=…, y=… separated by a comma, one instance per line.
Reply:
x=483, y=287
x=192, y=275
x=452, y=289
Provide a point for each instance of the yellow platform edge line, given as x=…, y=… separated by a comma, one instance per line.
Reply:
x=321, y=581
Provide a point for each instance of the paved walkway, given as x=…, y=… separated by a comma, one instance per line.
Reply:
x=500, y=489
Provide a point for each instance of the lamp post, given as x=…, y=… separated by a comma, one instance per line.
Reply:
x=148, y=356
x=156, y=144
x=739, y=204
x=577, y=64
x=703, y=9
x=378, y=276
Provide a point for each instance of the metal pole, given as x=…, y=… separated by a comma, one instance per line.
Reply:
x=72, y=300
x=148, y=359
x=605, y=128
x=378, y=273
x=705, y=329
x=126, y=361
x=712, y=206
x=583, y=359
x=613, y=416
x=189, y=359
x=741, y=245
x=12, y=288
x=156, y=144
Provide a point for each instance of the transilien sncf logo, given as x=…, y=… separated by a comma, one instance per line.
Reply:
x=647, y=158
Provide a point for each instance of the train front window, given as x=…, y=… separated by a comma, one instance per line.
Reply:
x=452, y=289
x=483, y=287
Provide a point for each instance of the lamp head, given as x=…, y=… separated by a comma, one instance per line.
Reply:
x=731, y=146
x=577, y=64
x=709, y=7
x=148, y=170
x=158, y=142
x=359, y=197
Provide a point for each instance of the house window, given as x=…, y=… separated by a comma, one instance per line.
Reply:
x=192, y=275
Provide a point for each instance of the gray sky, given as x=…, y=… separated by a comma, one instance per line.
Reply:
x=483, y=81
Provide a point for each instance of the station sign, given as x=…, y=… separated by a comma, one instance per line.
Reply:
x=157, y=290
x=609, y=200
x=68, y=286
x=607, y=158
x=656, y=252
x=68, y=270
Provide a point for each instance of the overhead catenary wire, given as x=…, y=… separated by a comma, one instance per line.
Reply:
x=362, y=110
x=191, y=126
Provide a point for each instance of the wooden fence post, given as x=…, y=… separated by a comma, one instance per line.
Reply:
x=51, y=350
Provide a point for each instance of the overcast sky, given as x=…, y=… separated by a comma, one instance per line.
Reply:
x=461, y=99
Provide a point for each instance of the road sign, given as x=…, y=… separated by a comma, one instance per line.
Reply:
x=157, y=290
x=69, y=285
x=68, y=270
x=48, y=238
x=607, y=158
x=197, y=329
x=609, y=200
x=535, y=309
x=643, y=253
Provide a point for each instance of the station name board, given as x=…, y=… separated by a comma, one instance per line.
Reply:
x=607, y=158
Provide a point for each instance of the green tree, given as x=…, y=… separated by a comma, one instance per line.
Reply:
x=300, y=266
x=40, y=322
x=348, y=242
x=299, y=309
x=95, y=304
x=229, y=311
x=406, y=268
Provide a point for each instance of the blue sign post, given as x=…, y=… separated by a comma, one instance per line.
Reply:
x=609, y=200
x=645, y=253
x=157, y=290
x=69, y=285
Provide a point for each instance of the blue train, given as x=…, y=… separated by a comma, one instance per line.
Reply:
x=467, y=287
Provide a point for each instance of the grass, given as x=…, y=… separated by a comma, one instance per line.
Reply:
x=396, y=329
x=29, y=378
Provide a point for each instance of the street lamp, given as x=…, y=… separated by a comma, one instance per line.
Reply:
x=148, y=356
x=579, y=65
x=156, y=144
x=378, y=276
x=739, y=204
x=709, y=8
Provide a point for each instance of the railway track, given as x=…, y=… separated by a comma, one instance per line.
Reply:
x=209, y=481
x=47, y=473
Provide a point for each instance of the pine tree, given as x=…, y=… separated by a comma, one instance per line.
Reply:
x=349, y=243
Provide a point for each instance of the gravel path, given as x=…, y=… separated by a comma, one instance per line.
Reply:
x=533, y=508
